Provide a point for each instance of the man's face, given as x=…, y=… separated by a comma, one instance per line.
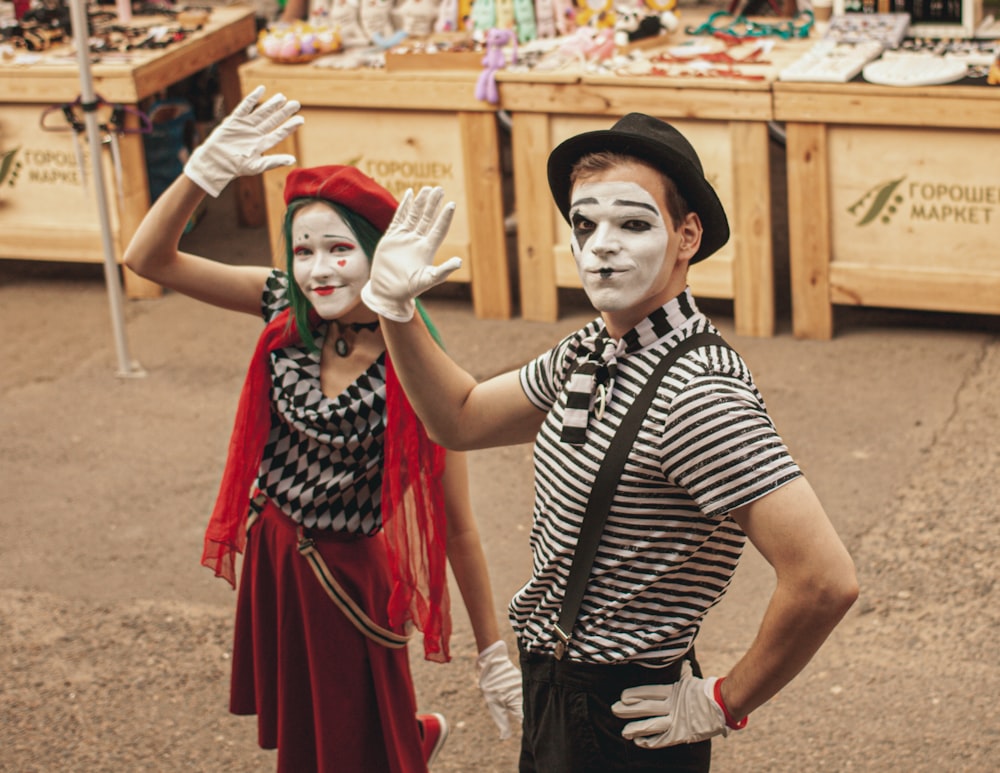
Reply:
x=329, y=265
x=624, y=242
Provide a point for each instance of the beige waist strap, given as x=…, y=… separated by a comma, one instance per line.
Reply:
x=340, y=597
x=354, y=613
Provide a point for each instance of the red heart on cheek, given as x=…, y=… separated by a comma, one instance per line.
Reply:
x=341, y=262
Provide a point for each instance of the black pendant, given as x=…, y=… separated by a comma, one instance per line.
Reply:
x=341, y=348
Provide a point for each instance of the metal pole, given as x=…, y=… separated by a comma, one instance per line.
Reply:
x=81, y=39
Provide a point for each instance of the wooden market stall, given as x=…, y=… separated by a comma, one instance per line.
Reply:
x=47, y=206
x=725, y=120
x=405, y=128
x=893, y=198
x=723, y=110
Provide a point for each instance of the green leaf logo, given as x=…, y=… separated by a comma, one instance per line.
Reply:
x=9, y=167
x=884, y=202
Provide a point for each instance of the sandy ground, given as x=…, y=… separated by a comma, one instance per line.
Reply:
x=115, y=642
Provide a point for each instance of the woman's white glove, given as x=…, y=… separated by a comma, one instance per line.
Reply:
x=500, y=682
x=236, y=147
x=683, y=712
x=403, y=264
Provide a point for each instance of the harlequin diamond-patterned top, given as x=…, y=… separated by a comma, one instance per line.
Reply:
x=322, y=464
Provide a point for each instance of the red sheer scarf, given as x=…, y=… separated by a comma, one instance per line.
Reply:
x=413, y=518
x=413, y=514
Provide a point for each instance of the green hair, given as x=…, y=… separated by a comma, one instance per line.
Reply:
x=368, y=237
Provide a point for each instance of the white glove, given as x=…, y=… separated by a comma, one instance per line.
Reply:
x=235, y=148
x=403, y=264
x=683, y=712
x=500, y=682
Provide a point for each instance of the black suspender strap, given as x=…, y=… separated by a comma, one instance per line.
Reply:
x=606, y=483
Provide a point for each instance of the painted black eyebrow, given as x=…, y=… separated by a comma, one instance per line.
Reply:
x=626, y=202
x=618, y=202
x=578, y=202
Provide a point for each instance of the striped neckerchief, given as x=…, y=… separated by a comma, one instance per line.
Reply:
x=588, y=388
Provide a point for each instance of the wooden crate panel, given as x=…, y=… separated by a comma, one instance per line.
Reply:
x=912, y=198
x=711, y=278
x=42, y=176
x=399, y=149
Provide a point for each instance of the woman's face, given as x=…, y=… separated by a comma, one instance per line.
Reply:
x=329, y=265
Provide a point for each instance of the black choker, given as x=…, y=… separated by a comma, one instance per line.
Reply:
x=340, y=345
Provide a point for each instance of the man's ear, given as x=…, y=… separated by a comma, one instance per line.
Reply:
x=690, y=232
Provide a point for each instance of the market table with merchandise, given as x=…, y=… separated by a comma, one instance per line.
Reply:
x=418, y=120
x=48, y=209
x=725, y=118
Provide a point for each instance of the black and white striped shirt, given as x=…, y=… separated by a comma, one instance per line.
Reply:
x=669, y=549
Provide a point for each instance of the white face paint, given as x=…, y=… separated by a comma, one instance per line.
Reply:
x=619, y=243
x=329, y=265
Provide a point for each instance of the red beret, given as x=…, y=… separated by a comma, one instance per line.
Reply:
x=343, y=185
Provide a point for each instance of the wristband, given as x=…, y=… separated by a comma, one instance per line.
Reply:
x=731, y=722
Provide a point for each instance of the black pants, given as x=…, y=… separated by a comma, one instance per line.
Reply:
x=569, y=727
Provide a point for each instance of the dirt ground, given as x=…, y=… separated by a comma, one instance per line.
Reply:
x=116, y=643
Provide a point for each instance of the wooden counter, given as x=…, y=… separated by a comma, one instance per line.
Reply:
x=728, y=128
x=726, y=119
x=46, y=211
x=404, y=129
x=893, y=198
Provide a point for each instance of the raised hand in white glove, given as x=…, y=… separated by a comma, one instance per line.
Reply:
x=684, y=712
x=500, y=682
x=236, y=147
x=403, y=264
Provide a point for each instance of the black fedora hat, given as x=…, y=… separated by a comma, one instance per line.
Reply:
x=660, y=145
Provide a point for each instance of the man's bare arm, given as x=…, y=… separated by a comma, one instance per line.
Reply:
x=459, y=412
x=816, y=585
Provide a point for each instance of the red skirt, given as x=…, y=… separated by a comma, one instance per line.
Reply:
x=326, y=697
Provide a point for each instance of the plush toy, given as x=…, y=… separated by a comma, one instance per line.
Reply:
x=495, y=59
x=633, y=23
x=595, y=13
x=524, y=20
x=545, y=19
x=565, y=12
x=627, y=19
x=376, y=19
x=465, y=11
x=589, y=44
x=346, y=15
x=638, y=22
x=418, y=16
x=447, y=16
x=505, y=14
x=602, y=47
x=319, y=13
x=484, y=15
x=659, y=6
